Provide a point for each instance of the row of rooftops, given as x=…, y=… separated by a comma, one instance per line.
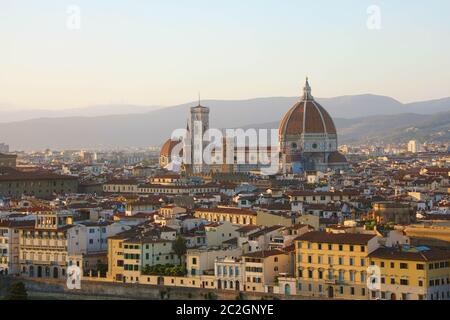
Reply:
x=10, y=174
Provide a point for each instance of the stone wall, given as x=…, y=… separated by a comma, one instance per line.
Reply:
x=56, y=289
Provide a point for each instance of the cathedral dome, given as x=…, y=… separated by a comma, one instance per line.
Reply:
x=307, y=117
x=166, y=150
x=336, y=157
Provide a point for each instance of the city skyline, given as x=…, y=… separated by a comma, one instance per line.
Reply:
x=163, y=53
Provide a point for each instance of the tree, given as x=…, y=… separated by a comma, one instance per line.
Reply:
x=17, y=291
x=179, y=247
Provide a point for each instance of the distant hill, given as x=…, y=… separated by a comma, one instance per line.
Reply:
x=11, y=115
x=357, y=117
x=387, y=128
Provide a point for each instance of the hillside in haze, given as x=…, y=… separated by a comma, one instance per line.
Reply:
x=8, y=114
x=387, y=128
x=358, y=118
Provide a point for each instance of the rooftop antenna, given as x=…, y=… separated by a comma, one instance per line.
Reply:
x=199, y=100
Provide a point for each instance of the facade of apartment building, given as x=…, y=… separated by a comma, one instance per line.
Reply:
x=334, y=265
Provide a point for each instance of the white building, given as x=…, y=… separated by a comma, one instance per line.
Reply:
x=413, y=146
x=218, y=232
x=201, y=261
x=92, y=237
x=230, y=273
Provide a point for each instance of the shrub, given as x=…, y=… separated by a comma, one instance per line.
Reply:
x=17, y=291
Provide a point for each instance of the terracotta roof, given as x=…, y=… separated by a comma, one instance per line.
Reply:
x=123, y=182
x=17, y=224
x=166, y=149
x=337, y=157
x=10, y=156
x=307, y=117
x=8, y=174
x=264, y=231
x=264, y=254
x=305, y=193
x=248, y=228
x=411, y=254
x=227, y=211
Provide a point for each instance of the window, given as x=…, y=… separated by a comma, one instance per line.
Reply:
x=219, y=270
x=352, y=291
x=420, y=283
x=341, y=260
x=341, y=247
x=404, y=282
x=310, y=274
x=383, y=280
x=330, y=247
x=320, y=274
x=420, y=266
x=194, y=261
x=352, y=276
x=363, y=248
x=351, y=248
x=392, y=265
x=392, y=280
x=382, y=264
x=352, y=261
x=309, y=259
x=403, y=266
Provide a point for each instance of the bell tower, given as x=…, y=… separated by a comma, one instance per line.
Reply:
x=198, y=124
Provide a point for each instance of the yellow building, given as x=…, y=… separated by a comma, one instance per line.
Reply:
x=171, y=211
x=270, y=218
x=116, y=255
x=322, y=197
x=412, y=273
x=233, y=215
x=333, y=265
x=130, y=251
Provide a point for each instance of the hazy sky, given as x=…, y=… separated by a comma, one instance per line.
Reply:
x=162, y=52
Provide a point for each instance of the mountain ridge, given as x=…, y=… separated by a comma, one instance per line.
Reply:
x=155, y=126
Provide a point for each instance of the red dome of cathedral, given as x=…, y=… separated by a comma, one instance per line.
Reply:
x=166, y=150
x=337, y=157
x=307, y=117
